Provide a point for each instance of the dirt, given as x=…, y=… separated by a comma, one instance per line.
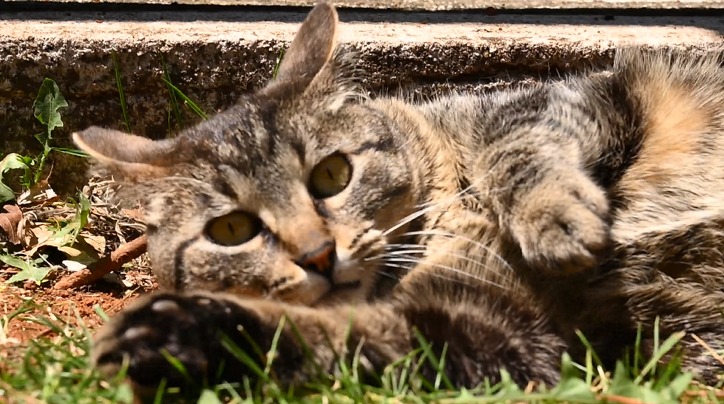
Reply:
x=66, y=305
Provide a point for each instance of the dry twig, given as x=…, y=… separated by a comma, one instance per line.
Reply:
x=112, y=262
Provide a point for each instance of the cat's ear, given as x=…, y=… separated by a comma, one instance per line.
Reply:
x=129, y=157
x=310, y=51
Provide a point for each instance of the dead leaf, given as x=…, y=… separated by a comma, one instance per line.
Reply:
x=136, y=213
x=42, y=233
x=37, y=194
x=98, y=243
x=11, y=223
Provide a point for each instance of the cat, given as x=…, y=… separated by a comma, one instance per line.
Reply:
x=495, y=225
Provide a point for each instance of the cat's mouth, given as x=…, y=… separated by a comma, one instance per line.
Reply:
x=346, y=285
x=346, y=292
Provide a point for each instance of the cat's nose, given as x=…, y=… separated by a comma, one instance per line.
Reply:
x=320, y=260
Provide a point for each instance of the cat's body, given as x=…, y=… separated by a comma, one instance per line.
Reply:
x=495, y=225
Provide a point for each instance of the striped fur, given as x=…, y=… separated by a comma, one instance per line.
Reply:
x=498, y=224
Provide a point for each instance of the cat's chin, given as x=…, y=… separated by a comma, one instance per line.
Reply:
x=347, y=293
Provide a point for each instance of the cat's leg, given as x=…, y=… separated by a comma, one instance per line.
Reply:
x=479, y=339
x=545, y=201
x=202, y=331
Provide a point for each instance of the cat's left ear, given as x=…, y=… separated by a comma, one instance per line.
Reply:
x=311, y=49
x=128, y=157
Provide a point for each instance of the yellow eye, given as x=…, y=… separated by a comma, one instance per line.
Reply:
x=233, y=229
x=330, y=176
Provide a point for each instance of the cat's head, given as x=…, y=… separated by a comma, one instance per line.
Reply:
x=287, y=195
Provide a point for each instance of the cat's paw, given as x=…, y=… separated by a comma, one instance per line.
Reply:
x=161, y=329
x=562, y=224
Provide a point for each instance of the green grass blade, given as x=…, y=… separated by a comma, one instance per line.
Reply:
x=121, y=93
x=175, y=112
x=187, y=101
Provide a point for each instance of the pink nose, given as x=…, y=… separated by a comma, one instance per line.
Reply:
x=320, y=260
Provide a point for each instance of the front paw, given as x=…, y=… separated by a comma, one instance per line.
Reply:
x=164, y=328
x=562, y=224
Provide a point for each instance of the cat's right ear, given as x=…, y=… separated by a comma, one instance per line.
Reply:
x=127, y=157
x=311, y=49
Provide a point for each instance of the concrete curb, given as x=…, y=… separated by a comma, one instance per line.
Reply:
x=216, y=56
x=430, y=5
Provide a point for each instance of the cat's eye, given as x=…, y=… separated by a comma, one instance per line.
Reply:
x=233, y=229
x=330, y=177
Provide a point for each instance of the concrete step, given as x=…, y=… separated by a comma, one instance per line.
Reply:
x=216, y=55
x=431, y=5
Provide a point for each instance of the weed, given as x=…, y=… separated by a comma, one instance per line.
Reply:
x=46, y=110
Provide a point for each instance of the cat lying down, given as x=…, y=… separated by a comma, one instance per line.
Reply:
x=496, y=225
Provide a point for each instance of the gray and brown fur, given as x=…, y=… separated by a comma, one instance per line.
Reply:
x=498, y=224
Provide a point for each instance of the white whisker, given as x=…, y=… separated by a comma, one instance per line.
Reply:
x=464, y=238
x=445, y=267
x=426, y=208
x=403, y=253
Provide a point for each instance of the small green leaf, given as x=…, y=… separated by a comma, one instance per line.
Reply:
x=47, y=104
x=679, y=385
x=12, y=161
x=81, y=215
x=68, y=232
x=28, y=270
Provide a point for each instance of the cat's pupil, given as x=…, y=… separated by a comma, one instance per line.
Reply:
x=233, y=229
x=329, y=173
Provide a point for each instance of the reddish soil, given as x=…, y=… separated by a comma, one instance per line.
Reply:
x=72, y=306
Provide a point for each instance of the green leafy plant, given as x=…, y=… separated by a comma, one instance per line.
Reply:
x=46, y=110
x=278, y=63
x=30, y=269
x=12, y=161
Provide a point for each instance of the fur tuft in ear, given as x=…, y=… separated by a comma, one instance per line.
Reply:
x=311, y=49
x=129, y=157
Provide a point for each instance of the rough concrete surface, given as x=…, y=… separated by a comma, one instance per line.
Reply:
x=214, y=57
x=435, y=5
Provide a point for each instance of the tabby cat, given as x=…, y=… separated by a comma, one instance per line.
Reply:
x=494, y=225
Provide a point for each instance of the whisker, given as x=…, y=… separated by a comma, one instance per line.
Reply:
x=407, y=219
x=436, y=275
x=446, y=267
x=426, y=208
x=403, y=253
x=389, y=253
x=464, y=238
x=391, y=275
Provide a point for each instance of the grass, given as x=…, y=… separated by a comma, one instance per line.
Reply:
x=56, y=369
